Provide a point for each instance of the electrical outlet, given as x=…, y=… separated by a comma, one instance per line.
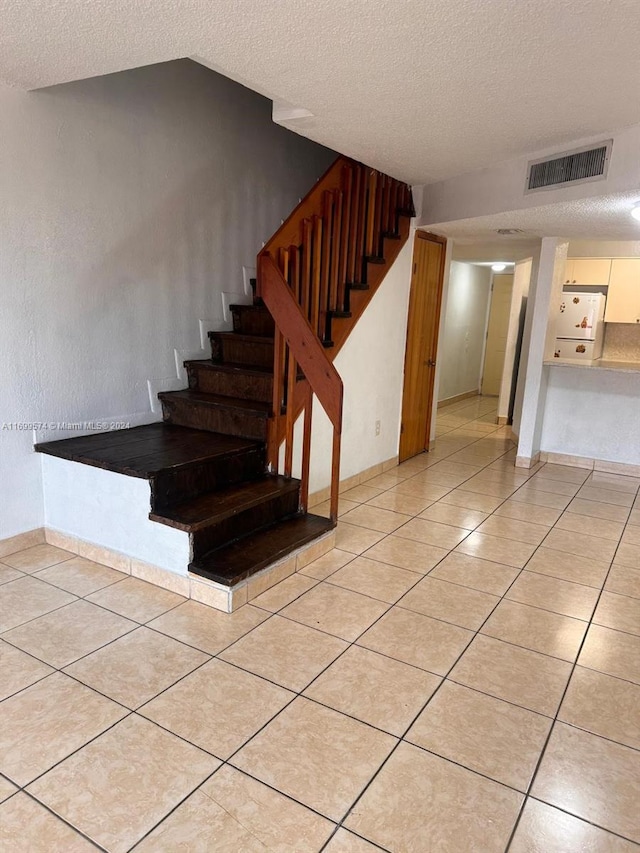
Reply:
x=377, y=427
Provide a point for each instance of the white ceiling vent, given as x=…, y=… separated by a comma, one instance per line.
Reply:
x=570, y=167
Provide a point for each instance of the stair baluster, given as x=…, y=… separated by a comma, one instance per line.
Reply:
x=312, y=276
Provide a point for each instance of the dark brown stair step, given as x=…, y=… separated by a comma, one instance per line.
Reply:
x=237, y=561
x=226, y=515
x=252, y=320
x=178, y=462
x=215, y=507
x=252, y=370
x=213, y=412
x=215, y=401
x=236, y=348
x=250, y=383
x=144, y=451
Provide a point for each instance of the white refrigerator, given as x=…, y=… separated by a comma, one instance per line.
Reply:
x=580, y=326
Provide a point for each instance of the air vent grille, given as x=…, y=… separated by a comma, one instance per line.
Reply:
x=584, y=165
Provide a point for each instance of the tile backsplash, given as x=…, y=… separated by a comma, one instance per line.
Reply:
x=621, y=342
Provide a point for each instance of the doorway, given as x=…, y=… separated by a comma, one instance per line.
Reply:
x=497, y=329
x=422, y=343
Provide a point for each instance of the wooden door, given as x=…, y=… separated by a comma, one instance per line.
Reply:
x=422, y=343
x=497, y=334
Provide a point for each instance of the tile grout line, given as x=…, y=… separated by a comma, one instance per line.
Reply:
x=445, y=678
x=476, y=633
x=60, y=818
x=518, y=575
x=583, y=819
x=299, y=694
x=555, y=720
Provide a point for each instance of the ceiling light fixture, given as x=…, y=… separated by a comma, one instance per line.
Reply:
x=635, y=212
x=498, y=267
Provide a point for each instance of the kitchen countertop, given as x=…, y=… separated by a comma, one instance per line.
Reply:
x=599, y=364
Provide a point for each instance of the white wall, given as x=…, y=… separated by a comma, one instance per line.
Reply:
x=538, y=344
x=80, y=500
x=128, y=203
x=371, y=365
x=461, y=346
x=592, y=413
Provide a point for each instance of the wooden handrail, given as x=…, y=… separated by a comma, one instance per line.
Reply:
x=305, y=349
x=312, y=357
x=289, y=231
x=312, y=275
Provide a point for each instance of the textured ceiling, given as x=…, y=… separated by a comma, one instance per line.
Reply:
x=603, y=218
x=493, y=250
x=423, y=89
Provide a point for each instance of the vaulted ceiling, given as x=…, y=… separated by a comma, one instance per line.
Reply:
x=423, y=89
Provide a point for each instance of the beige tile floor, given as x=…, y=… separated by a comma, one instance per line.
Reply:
x=462, y=673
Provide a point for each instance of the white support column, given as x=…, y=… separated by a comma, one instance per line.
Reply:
x=544, y=293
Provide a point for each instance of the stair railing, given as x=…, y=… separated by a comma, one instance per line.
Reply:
x=304, y=348
x=308, y=273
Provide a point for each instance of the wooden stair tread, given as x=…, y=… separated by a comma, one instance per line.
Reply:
x=238, y=560
x=239, y=336
x=239, y=306
x=214, y=507
x=230, y=367
x=254, y=407
x=145, y=450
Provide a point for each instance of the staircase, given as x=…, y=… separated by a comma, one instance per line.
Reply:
x=214, y=463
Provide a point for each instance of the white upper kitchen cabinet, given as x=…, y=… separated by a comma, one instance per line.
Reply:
x=623, y=299
x=587, y=271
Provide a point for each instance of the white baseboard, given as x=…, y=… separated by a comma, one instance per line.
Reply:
x=190, y=586
x=601, y=465
x=527, y=461
x=21, y=541
x=323, y=495
x=449, y=401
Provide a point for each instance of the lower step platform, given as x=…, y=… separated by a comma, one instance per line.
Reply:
x=178, y=462
x=190, y=510
x=233, y=563
x=143, y=451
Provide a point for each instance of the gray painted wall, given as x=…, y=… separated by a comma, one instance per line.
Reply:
x=128, y=204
